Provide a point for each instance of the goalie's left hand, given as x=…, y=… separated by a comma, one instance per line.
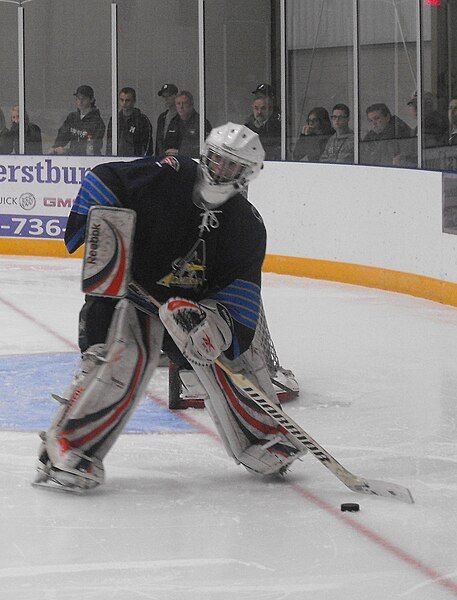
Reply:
x=200, y=330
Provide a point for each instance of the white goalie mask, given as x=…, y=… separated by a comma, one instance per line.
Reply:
x=232, y=157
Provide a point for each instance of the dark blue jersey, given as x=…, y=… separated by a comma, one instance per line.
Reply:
x=179, y=248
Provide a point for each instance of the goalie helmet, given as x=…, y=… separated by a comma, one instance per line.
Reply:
x=232, y=157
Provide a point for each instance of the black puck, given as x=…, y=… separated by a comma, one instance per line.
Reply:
x=350, y=507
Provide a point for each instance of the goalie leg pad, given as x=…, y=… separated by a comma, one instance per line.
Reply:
x=249, y=434
x=87, y=426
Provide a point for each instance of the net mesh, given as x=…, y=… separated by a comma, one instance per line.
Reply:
x=264, y=341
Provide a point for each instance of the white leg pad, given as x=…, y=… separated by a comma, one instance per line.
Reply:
x=248, y=433
x=102, y=401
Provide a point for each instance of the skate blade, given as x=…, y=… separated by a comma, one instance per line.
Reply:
x=53, y=484
x=51, y=481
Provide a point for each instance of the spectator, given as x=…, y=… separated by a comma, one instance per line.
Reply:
x=4, y=142
x=267, y=124
x=381, y=144
x=264, y=90
x=168, y=92
x=340, y=146
x=33, y=143
x=314, y=136
x=134, y=129
x=83, y=130
x=183, y=135
x=452, y=111
x=434, y=124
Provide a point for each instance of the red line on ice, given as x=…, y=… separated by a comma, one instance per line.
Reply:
x=368, y=533
x=436, y=577
x=40, y=324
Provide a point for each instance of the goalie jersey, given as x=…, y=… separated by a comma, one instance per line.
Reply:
x=179, y=248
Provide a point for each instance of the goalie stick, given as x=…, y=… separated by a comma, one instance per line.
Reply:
x=371, y=487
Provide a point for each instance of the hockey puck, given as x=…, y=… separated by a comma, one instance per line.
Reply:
x=350, y=507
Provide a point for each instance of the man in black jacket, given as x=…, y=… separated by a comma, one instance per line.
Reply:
x=382, y=145
x=266, y=122
x=83, y=131
x=33, y=143
x=168, y=92
x=134, y=129
x=183, y=136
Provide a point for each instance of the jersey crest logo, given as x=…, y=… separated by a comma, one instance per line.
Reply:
x=188, y=272
x=171, y=161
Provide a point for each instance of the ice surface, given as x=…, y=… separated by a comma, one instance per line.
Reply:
x=178, y=520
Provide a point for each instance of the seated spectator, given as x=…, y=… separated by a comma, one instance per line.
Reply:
x=452, y=112
x=83, y=130
x=381, y=145
x=183, y=135
x=340, y=146
x=134, y=129
x=4, y=142
x=264, y=90
x=314, y=136
x=267, y=124
x=33, y=143
x=434, y=124
x=168, y=92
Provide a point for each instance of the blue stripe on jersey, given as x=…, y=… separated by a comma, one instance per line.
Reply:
x=93, y=191
x=107, y=197
x=75, y=242
x=244, y=288
x=242, y=299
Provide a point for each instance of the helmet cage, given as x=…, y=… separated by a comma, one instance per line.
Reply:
x=222, y=168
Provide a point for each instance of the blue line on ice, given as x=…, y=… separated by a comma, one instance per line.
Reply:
x=26, y=384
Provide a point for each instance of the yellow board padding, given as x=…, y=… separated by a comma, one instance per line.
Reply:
x=375, y=277
x=27, y=247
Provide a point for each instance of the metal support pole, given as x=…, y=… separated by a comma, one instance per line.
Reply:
x=114, y=78
x=283, y=78
x=419, y=81
x=201, y=69
x=355, y=64
x=21, y=75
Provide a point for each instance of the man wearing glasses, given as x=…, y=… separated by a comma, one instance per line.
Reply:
x=340, y=146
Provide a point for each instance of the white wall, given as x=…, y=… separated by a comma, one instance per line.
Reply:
x=374, y=216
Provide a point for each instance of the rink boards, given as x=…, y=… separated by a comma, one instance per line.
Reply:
x=372, y=226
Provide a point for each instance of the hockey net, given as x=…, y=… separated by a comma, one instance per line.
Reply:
x=283, y=380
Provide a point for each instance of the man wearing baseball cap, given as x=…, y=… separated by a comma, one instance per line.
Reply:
x=82, y=131
x=168, y=92
x=263, y=90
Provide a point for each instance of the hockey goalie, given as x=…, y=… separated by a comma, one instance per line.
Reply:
x=173, y=260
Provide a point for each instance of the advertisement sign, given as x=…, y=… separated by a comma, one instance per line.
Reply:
x=37, y=193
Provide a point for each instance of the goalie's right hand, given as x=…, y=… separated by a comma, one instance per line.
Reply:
x=201, y=331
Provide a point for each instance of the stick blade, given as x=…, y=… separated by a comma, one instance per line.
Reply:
x=373, y=487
